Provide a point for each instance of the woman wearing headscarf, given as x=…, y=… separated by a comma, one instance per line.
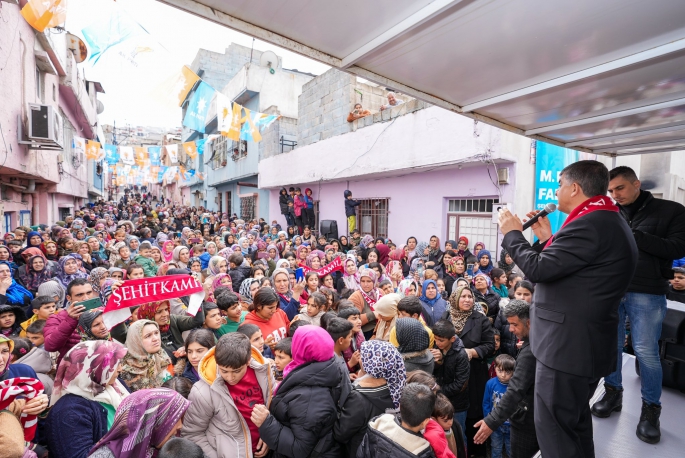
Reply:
x=11, y=292
x=53, y=289
x=145, y=363
x=365, y=298
x=69, y=270
x=387, y=314
x=168, y=250
x=133, y=244
x=478, y=337
x=210, y=251
x=97, y=278
x=434, y=306
x=485, y=264
x=483, y=293
x=157, y=256
x=303, y=409
x=62, y=332
x=377, y=389
x=33, y=239
x=6, y=256
x=34, y=273
x=414, y=343
x=288, y=300
x=477, y=248
x=144, y=422
x=434, y=255
x=408, y=287
x=85, y=397
x=181, y=256
x=418, y=261
x=98, y=252
x=350, y=278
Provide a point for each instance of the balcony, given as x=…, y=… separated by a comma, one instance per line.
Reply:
x=73, y=92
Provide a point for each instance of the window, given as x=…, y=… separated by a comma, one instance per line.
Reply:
x=219, y=157
x=54, y=92
x=372, y=217
x=229, y=201
x=40, y=90
x=472, y=205
x=238, y=149
x=247, y=207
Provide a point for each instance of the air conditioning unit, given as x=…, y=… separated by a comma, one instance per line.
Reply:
x=503, y=175
x=45, y=125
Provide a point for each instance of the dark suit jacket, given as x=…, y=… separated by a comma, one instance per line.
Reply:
x=581, y=278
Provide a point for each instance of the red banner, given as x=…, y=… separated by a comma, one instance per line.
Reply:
x=151, y=289
x=331, y=267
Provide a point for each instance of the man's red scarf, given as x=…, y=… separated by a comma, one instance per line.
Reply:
x=593, y=204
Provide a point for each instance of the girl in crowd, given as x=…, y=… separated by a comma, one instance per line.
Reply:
x=266, y=314
x=197, y=344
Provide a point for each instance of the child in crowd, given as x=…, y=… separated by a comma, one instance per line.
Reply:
x=341, y=331
x=386, y=287
x=254, y=334
x=38, y=359
x=11, y=317
x=442, y=290
x=676, y=290
x=410, y=307
x=490, y=360
x=352, y=355
x=234, y=377
x=124, y=258
x=350, y=211
x=144, y=259
x=316, y=307
x=296, y=324
x=452, y=369
x=499, y=282
x=42, y=307
x=436, y=431
x=229, y=305
x=213, y=318
x=34, y=333
x=494, y=390
x=355, y=238
x=135, y=271
x=443, y=414
x=282, y=356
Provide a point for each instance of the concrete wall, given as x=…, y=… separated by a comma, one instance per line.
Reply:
x=218, y=68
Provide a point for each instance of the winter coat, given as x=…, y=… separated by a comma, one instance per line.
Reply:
x=433, y=313
x=299, y=204
x=385, y=438
x=60, y=333
x=213, y=421
x=659, y=229
x=148, y=265
x=283, y=202
x=349, y=207
x=507, y=339
x=361, y=405
x=478, y=334
x=40, y=361
x=290, y=307
x=518, y=402
x=74, y=425
x=303, y=412
x=490, y=298
x=238, y=275
x=419, y=361
x=453, y=376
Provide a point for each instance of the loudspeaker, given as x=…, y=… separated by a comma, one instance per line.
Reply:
x=329, y=228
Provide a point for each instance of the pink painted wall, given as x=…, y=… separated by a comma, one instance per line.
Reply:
x=418, y=201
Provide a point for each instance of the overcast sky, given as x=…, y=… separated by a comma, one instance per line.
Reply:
x=127, y=96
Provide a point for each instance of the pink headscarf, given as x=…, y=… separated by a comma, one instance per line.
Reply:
x=310, y=343
x=167, y=256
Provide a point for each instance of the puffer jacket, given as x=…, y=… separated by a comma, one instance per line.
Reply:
x=213, y=421
x=283, y=201
x=60, y=333
x=659, y=229
x=40, y=361
x=148, y=265
x=385, y=438
x=303, y=412
x=452, y=375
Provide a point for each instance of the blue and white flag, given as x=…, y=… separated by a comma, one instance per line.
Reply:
x=196, y=115
x=154, y=152
x=111, y=154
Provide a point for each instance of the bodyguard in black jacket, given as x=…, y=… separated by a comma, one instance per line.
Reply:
x=581, y=274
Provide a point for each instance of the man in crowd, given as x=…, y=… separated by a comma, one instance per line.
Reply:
x=575, y=313
x=658, y=227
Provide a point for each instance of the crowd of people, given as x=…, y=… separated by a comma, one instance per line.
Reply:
x=303, y=346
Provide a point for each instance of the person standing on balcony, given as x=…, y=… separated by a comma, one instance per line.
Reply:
x=283, y=200
x=308, y=218
x=350, y=211
x=300, y=205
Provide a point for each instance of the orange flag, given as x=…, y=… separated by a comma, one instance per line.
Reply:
x=92, y=149
x=140, y=155
x=43, y=14
x=190, y=149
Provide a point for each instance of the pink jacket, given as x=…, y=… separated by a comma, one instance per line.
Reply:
x=60, y=333
x=299, y=204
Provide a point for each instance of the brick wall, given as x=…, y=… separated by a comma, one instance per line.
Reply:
x=218, y=68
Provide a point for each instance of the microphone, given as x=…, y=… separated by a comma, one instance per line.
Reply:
x=549, y=208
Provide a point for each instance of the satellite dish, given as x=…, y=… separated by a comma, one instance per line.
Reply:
x=269, y=60
x=78, y=47
x=100, y=107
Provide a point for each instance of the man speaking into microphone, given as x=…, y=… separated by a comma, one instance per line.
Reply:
x=582, y=272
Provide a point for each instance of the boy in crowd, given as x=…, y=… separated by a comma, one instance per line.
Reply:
x=254, y=334
x=229, y=304
x=144, y=259
x=443, y=414
x=352, y=355
x=34, y=333
x=355, y=238
x=390, y=436
x=452, y=369
x=410, y=307
x=350, y=211
x=282, y=356
x=43, y=307
x=342, y=333
x=234, y=377
x=676, y=290
x=494, y=391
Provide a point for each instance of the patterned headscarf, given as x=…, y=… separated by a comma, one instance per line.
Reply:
x=142, y=370
x=315, y=254
x=365, y=241
x=382, y=360
x=214, y=265
x=31, y=278
x=143, y=420
x=458, y=316
x=148, y=311
x=411, y=335
x=245, y=290
x=96, y=276
x=404, y=288
x=86, y=370
x=216, y=282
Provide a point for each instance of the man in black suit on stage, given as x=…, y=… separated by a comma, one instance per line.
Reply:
x=582, y=272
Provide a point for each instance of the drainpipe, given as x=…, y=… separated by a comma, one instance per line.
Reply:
x=35, y=205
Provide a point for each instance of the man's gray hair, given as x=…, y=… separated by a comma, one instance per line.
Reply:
x=518, y=308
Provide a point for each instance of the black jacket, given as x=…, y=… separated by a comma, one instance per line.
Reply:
x=349, y=207
x=378, y=445
x=303, y=411
x=517, y=403
x=659, y=229
x=581, y=277
x=453, y=376
x=491, y=298
x=478, y=334
x=361, y=406
x=507, y=339
x=283, y=201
